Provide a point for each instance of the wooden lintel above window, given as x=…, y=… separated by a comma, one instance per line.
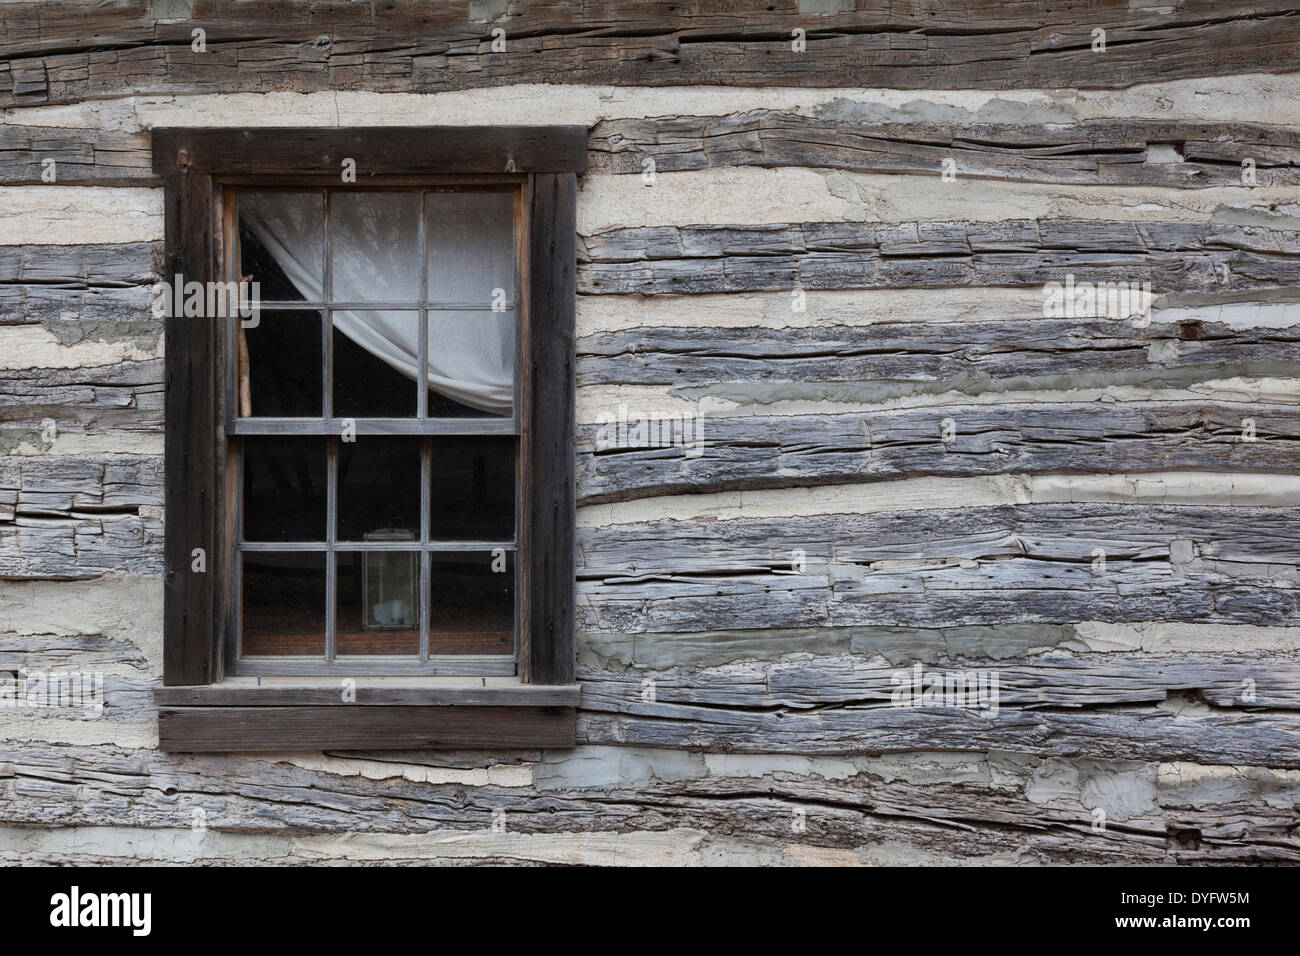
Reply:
x=376, y=151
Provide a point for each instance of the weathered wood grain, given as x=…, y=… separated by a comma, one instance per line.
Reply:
x=101, y=157
x=64, y=51
x=620, y=463
x=948, y=567
x=546, y=446
x=217, y=729
x=1186, y=256
x=881, y=360
x=947, y=808
x=195, y=444
x=1058, y=681
x=127, y=396
x=1113, y=152
x=80, y=546
x=59, y=485
x=1119, y=733
x=374, y=151
x=1088, y=152
x=90, y=283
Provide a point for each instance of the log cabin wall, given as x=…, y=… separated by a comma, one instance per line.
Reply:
x=830, y=264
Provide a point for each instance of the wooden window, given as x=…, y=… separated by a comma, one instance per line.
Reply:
x=370, y=499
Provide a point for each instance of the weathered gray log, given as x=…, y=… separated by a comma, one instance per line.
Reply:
x=638, y=459
x=1034, y=809
x=896, y=358
x=63, y=51
x=126, y=396
x=40, y=154
x=1116, y=733
x=1249, y=683
x=948, y=567
x=1088, y=152
x=70, y=653
x=64, y=517
x=1253, y=682
x=91, y=283
x=80, y=546
x=59, y=485
x=1169, y=256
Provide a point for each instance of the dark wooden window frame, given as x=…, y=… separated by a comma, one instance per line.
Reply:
x=199, y=707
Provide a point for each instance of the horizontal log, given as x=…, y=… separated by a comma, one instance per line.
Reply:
x=58, y=485
x=931, y=805
x=63, y=52
x=1185, y=256
x=81, y=546
x=1090, y=152
x=67, y=653
x=948, y=567
x=91, y=283
x=100, y=157
x=1116, y=734
x=644, y=458
x=883, y=360
x=1258, y=682
x=126, y=396
x=606, y=651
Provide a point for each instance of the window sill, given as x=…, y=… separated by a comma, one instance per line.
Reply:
x=389, y=713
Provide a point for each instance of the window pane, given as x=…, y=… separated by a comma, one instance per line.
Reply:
x=283, y=604
x=284, y=489
x=375, y=250
x=376, y=356
x=471, y=238
x=472, y=363
x=378, y=603
x=282, y=375
x=282, y=244
x=472, y=603
x=473, y=489
x=379, y=489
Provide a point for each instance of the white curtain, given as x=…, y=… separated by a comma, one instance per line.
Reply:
x=471, y=353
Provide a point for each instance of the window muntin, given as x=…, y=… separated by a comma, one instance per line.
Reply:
x=409, y=533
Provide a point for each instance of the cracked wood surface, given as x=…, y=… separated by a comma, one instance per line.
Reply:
x=801, y=451
x=657, y=260
x=936, y=807
x=63, y=51
x=946, y=567
x=1094, y=152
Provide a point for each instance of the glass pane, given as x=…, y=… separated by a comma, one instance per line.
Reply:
x=378, y=603
x=282, y=244
x=472, y=603
x=376, y=247
x=281, y=377
x=283, y=604
x=471, y=238
x=379, y=489
x=471, y=363
x=284, y=489
x=376, y=358
x=473, y=489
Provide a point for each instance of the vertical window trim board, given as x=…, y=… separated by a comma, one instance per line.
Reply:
x=193, y=442
x=197, y=605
